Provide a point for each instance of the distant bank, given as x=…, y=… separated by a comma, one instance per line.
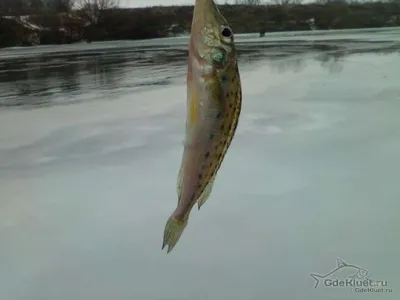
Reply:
x=155, y=22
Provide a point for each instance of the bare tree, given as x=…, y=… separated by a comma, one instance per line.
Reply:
x=13, y=7
x=332, y=1
x=94, y=9
x=2, y=9
x=248, y=2
x=20, y=7
x=287, y=2
x=59, y=5
x=35, y=5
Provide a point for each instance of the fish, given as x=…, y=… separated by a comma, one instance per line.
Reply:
x=214, y=101
x=348, y=272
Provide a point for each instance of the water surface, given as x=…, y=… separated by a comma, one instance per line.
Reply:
x=91, y=142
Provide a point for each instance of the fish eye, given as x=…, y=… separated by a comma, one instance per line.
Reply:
x=226, y=32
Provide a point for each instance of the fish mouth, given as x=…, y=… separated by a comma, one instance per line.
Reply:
x=207, y=37
x=207, y=14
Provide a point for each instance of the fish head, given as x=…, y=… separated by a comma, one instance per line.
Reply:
x=212, y=39
x=362, y=273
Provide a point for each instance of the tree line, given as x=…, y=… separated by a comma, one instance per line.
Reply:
x=105, y=20
x=91, y=9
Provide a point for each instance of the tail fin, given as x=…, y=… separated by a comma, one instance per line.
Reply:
x=173, y=231
x=317, y=279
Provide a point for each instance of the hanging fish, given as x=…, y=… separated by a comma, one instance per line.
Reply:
x=214, y=98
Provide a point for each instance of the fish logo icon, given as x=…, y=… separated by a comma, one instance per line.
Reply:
x=343, y=270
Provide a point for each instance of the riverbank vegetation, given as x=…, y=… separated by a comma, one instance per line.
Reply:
x=32, y=22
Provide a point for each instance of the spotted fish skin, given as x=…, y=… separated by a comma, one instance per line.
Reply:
x=214, y=99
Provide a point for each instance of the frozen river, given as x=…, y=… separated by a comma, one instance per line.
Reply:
x=90, y=146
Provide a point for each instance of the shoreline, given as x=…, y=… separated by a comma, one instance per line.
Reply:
x=252, y=35
x=174, y=21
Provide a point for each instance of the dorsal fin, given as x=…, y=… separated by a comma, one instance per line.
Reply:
x=340, y=263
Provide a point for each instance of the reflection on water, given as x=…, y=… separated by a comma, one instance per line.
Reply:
x=332, y=61
x=87, y=74
x=37, y=80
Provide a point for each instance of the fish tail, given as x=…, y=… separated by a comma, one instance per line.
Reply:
x=173, y=231
x=317, y=279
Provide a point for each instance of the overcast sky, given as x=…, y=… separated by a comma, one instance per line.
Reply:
x=137, y=3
